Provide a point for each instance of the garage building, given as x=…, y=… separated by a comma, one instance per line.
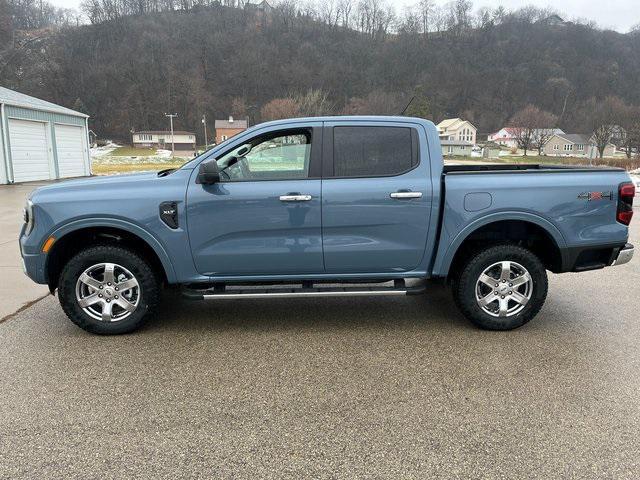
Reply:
x=40, y=140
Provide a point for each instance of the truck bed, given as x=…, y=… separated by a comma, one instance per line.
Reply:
x=528, y=167
x=576, y=206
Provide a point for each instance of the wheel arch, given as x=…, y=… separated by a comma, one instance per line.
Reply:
x=74, y=236
x=539, y=234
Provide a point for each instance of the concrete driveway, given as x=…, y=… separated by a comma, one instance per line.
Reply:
x=331, y=388
x=16, y=290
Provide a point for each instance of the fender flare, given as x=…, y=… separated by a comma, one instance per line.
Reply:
x=443, y=264
x=129, y=227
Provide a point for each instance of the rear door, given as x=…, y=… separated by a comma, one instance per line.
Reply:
x=376, y=197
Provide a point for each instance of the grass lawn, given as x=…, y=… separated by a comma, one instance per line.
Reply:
x=132, y=152
x=114, y=168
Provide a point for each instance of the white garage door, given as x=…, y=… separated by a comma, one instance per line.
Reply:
x=71, y=150
x=29, y=151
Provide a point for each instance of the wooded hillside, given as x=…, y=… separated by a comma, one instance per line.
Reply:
x=126, y=69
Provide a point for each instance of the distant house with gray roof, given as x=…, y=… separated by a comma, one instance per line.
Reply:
x=456, y=148
x=575, y=145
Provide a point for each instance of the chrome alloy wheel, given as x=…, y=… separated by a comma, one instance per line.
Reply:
x=504, y=289
x=108, y=292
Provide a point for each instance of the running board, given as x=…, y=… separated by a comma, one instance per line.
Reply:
x=234, y=292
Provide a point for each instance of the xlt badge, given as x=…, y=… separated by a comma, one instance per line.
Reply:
x=169, y=214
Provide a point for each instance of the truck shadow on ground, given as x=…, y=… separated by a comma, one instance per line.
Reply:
x=433, y=309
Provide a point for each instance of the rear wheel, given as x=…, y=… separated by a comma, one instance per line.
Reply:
x=502, y=287
x=108, y=289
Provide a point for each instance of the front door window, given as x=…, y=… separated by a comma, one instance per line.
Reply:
x=277, y=156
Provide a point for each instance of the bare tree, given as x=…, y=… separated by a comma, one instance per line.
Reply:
x=626, y=135
x=605, y=116
x=279, y=108
x=239, y=107
x=376, y=103
x=545, y=130
x=560, y=90
x=633, y=140
x=314, y=103
x=426, y=9
x=532, y=128
x=344, y=11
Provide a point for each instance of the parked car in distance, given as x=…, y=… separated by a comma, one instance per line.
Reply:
x=293, y=207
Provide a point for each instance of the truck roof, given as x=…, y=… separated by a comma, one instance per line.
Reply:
x=342, y=118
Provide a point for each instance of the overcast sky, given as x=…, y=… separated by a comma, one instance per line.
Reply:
x=619, y=15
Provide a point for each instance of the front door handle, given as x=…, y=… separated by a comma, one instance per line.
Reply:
x=295, y=197
x=401, y=195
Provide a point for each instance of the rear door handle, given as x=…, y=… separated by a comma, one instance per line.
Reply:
x=401, y=195
x=295, y=197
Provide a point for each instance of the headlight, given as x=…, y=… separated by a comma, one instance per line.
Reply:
x=28, y=217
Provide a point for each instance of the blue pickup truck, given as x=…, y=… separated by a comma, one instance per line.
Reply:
x=319, y=207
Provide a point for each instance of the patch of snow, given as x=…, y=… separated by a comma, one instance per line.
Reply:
x=96, y=152
x=118, y=159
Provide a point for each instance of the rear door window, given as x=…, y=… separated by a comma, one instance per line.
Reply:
x=373, y=151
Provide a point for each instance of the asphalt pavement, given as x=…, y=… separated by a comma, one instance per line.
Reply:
x=331, y=388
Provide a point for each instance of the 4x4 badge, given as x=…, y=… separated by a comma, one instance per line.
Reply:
x=595, y=196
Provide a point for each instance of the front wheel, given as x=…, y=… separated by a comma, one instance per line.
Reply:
x=502, y=287
x=108, y=290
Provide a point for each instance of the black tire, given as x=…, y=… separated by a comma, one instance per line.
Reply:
x=149, y=288
x=464, y=289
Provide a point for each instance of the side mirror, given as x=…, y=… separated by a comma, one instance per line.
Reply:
x=208, y=174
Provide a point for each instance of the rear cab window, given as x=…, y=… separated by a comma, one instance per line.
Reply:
x=373, y=151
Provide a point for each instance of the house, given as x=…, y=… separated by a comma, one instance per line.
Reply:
x=40, y=140
x=456, y=148
x=261, y=7
x=457, y=129
x=554, y=20
x=181, y=140
x=575, y=145
x=507, y=136
x=226, y=129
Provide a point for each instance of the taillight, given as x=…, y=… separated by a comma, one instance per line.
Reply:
x=626, y=192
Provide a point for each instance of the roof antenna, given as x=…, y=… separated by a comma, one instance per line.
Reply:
x=405, y=108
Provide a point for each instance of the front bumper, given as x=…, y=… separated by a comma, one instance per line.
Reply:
x=624, y=255
x=33, y=267
x=33, y=261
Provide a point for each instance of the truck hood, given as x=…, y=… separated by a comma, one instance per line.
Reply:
x=94, y=184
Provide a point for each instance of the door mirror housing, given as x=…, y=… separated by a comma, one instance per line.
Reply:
x=208, y=173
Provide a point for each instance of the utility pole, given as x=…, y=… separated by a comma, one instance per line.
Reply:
x=171, y=115
x=204, y=122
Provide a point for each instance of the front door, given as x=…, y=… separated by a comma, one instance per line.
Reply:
x=376, y=197
x=263, y=218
